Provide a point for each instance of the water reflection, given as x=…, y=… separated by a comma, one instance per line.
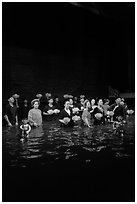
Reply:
x=50, y=142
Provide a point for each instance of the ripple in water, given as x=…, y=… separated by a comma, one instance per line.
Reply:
x=51, y=142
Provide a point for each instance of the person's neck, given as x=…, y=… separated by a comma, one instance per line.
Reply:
x=50, y=104
x=100, y=106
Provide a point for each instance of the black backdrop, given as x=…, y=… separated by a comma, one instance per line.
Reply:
x=62, y=48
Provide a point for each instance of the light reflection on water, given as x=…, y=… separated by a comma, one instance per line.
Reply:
x=50, y=142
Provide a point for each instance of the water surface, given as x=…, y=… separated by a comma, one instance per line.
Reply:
x=78, y=159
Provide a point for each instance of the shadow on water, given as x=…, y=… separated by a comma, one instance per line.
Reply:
x=69, y=164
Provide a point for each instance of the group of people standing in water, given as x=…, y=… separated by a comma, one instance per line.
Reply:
x=68, y=111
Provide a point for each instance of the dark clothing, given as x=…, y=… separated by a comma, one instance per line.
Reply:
x=57, y=105
x=11, y=112
x=98, y=121
x=24, y=111
x=46, y=109
x=118, y=111
x=64, y=114
x=79, y=105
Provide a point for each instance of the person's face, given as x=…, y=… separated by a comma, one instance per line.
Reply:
x=51, y=101
x=88, y=104
x=36, y=105
x=107, y=102
x=11, y=100
x=82, y=100
x=67, y=104
x=25, y=122
x=93, y=102
x=57, y=99
x=100, y=102
x=70, y=101
x=25, y=101
x=118, y=100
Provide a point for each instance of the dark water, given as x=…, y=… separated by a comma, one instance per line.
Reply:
x=69, y=164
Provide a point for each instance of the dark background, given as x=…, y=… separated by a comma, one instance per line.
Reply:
x=75, y=48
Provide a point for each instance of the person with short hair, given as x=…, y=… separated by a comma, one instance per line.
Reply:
x=49, y=110
x=98, y=113
x=65, y=117
x=10, y=115
x=25, y=129
x=118, y=109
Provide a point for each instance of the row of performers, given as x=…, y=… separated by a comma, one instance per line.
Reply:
x=88, y=113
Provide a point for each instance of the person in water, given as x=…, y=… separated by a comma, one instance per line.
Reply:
x=86, y=116
x=34, y=115
x=98, y=113
x=118, y=109
x=25, y=129
x=50, y=111
x=65, y=117
x=11, y=116
x=24, y=109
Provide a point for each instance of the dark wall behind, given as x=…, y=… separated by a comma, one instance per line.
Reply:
x=61, y=48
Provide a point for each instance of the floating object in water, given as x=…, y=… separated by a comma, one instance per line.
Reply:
x=56, y=111
x=75, y=110
x=98, y=116
x=110, y=113
x=76, y=118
